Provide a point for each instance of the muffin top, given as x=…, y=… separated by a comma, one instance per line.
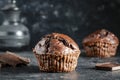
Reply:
x=56, y=43
x=101, y=35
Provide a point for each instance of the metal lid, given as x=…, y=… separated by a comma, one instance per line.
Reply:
x=11, y=6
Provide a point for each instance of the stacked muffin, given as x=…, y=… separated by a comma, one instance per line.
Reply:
x=101, y=43
x=56, y=53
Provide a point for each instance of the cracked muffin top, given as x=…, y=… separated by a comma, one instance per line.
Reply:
x=101, y=35
x=56, y=43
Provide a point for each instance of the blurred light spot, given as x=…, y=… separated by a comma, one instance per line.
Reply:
x=19, y=33
x=44, y=17
x=52, y=5
x=56, y=13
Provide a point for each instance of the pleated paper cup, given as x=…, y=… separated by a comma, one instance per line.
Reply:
x=100, y=49
x=57, y=62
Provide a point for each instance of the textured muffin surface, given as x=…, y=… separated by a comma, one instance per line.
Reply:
x=57, y=53
x=101, y=43
x=56, y=42
x=101, y=35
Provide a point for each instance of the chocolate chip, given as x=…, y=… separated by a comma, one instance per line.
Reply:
x=39, y=45
x=47, y=44
x=64, y=42
x=71, y=46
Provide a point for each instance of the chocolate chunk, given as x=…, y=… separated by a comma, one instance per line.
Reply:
x=12, y=59
x=64, y=41
x=108, y=66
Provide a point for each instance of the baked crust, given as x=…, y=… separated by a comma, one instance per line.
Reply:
x=56, y=42
x=101, y=35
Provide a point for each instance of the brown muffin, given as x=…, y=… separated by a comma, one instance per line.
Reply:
x=56, y=53
x=101, y=43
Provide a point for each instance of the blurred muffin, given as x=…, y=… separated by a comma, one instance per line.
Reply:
x=101, y=43
x=56, y=53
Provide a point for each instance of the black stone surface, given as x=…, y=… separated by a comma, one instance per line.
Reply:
x=84, y=71
x=76, y=18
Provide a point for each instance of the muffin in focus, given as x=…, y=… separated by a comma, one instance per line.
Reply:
x=57, y=53
x=101, y=43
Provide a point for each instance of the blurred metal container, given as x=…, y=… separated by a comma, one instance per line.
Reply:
x=13, y=33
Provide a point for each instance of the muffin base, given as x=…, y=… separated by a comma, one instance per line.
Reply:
x=57, y=62
x=100, y=49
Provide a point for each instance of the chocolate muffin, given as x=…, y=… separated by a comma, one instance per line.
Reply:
x=57, y=53
x=101, y=43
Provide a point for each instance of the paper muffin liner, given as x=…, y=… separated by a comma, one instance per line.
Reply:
x=100, y=49
x=57, y=63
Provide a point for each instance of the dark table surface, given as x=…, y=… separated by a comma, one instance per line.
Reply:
x=84, y=71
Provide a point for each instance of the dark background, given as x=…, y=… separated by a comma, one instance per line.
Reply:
x=76, y=18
